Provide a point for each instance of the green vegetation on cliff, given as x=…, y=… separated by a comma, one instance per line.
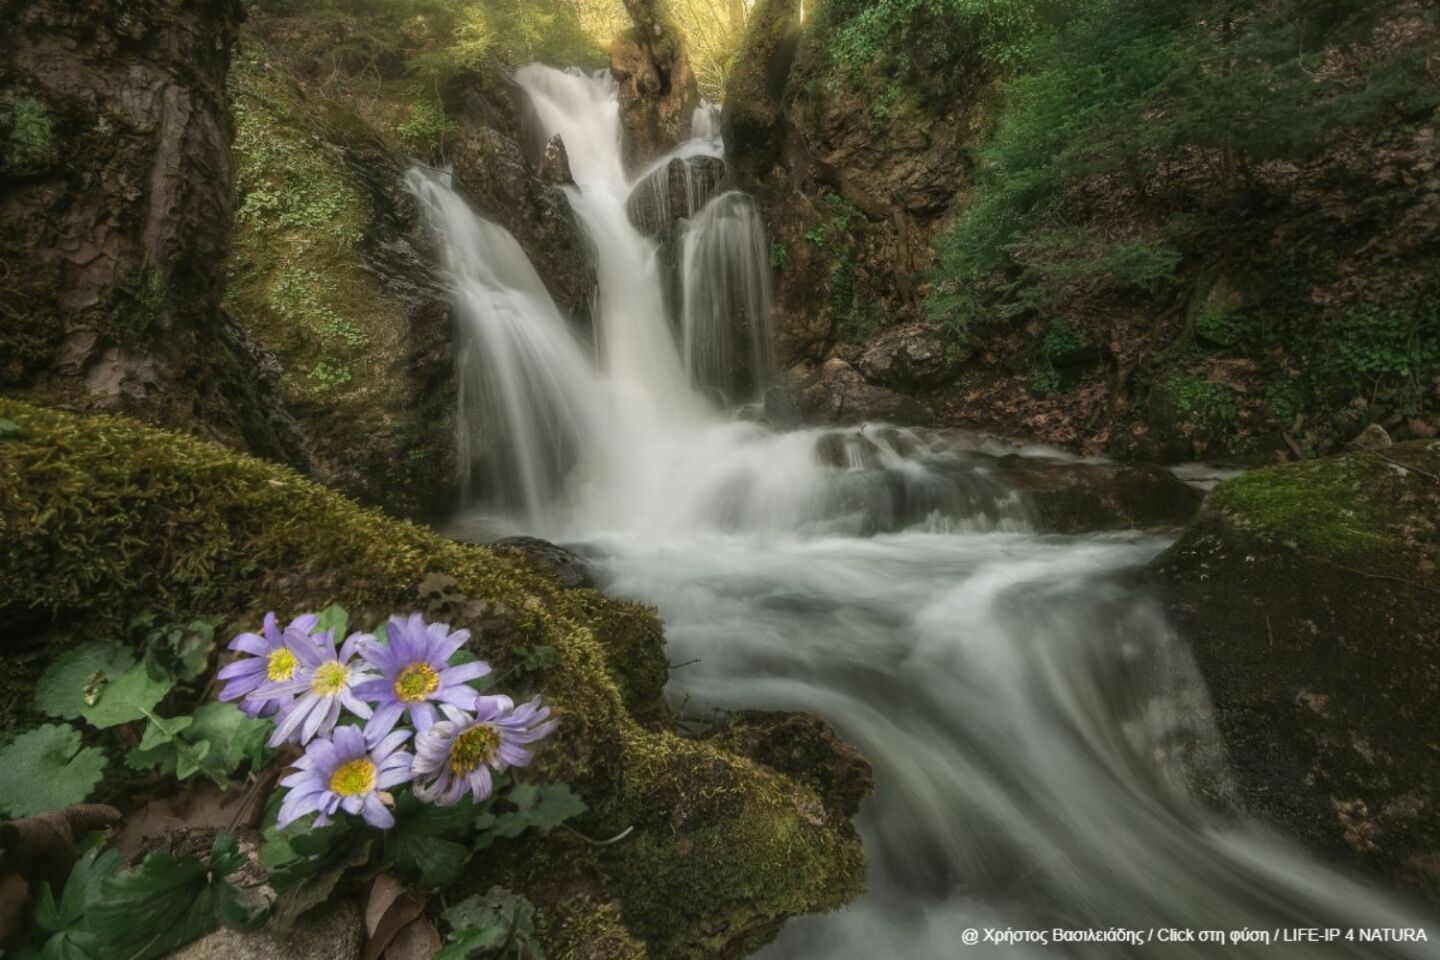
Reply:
x=1148, y=155
x=102, y=519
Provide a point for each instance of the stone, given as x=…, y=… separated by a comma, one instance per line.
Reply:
x=1373, y=438
x=115, y=232
x=658, y=94
x=1308, y=593
x=678, y=189
x=330, y=932
x=837, y=393
x=910, y=358
x=555, y=163
x=1078, y=497
x=569, y=567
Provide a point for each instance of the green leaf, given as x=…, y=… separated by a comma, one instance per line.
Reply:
x=497, y=919
x=46, y=769
x=292, y=904
x=162, y=731
x=127, y=698
x=63, y=921
x=166, y=902
x=8, y=428
x=233, y=737
x=417, y=843
x=76, y=678
x=333, y=618
x=547, y=805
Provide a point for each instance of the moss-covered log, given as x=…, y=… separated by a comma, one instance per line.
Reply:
x=102, y=518
x=1310, y=595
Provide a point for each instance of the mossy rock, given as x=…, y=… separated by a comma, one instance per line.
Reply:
x=1310, y=597
x=102, y=518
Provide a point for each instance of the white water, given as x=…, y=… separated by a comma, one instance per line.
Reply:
x=1041, y=740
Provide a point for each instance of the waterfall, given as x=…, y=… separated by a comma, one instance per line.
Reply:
x=726, y=290
x=1043, y=747
x=530, y=406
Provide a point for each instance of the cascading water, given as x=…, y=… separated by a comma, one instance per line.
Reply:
x=725, y=321
x=1041, y=740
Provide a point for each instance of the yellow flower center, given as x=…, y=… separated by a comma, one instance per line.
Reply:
x=280, y=664
x=472, y=748
x=355, y=778
x=416, y=682
x=329, y=679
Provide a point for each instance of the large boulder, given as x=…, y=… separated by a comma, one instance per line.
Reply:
x=658, y=94
x=101, y=517
x=836, y=392
x=753, y=121
x=910, y=357
x=115, y=210
x=677, y=189
x=1079, y=497
x=1309, y=594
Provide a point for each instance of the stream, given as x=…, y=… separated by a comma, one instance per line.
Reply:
x=1043, y=748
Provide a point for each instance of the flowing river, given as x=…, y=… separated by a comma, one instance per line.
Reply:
x=1043, y=750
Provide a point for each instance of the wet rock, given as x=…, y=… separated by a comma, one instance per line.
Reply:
x=115, y=224
x=657, y=86
x=837, y=393
x=805, y=747
x=678, y=189
x=846, y=450
x=569, y=567
x=695, y=877
x=910, y=358
x=495, y=176
x=1309, y=594
x=555, y=163
x=753, y=121
x=1085, y=497
x=1373, y=438
x=331, y=932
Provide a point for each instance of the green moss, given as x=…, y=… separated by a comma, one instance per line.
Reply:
x=1358, y=510
x=27, y=136
x=1192, y=414
x=101, y=518
x=581, y=928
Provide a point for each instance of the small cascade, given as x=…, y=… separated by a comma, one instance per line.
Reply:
x=705, y=122
x=726, y=333
x=530, y=406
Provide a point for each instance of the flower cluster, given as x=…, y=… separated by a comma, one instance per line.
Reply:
x=311, y=683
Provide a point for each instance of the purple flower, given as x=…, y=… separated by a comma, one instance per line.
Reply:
x=415, y=673
x=458, y=753
x=323, y=683
x=346, y=773
x=270, y=661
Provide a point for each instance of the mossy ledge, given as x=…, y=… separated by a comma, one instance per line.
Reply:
x=102, y=517
x=1310, y=597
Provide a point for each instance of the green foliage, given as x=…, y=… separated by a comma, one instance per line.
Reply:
x=215, y=741
x=329, y=374
x=166, y=902
x=499, y=922
x=779, y=255
x=521, y=31
x=305, y=297
x=430, y=842
x=1383, y=352
x=74, y=680
x=1191, y=400
x=998, y=33
x=28, y=143
x=182, y=650
x=62, y=924
x=1043, y=381
x=46, y=769
x=1063, y=341
x=1153, y=100
x=1284, y=401
x=287, y=181
x=130, y=696
x=425, y=129
x=542, y=807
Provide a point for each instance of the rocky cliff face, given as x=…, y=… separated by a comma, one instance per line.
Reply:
x=116, y=207
x=657, y=85
x=1309, y=595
